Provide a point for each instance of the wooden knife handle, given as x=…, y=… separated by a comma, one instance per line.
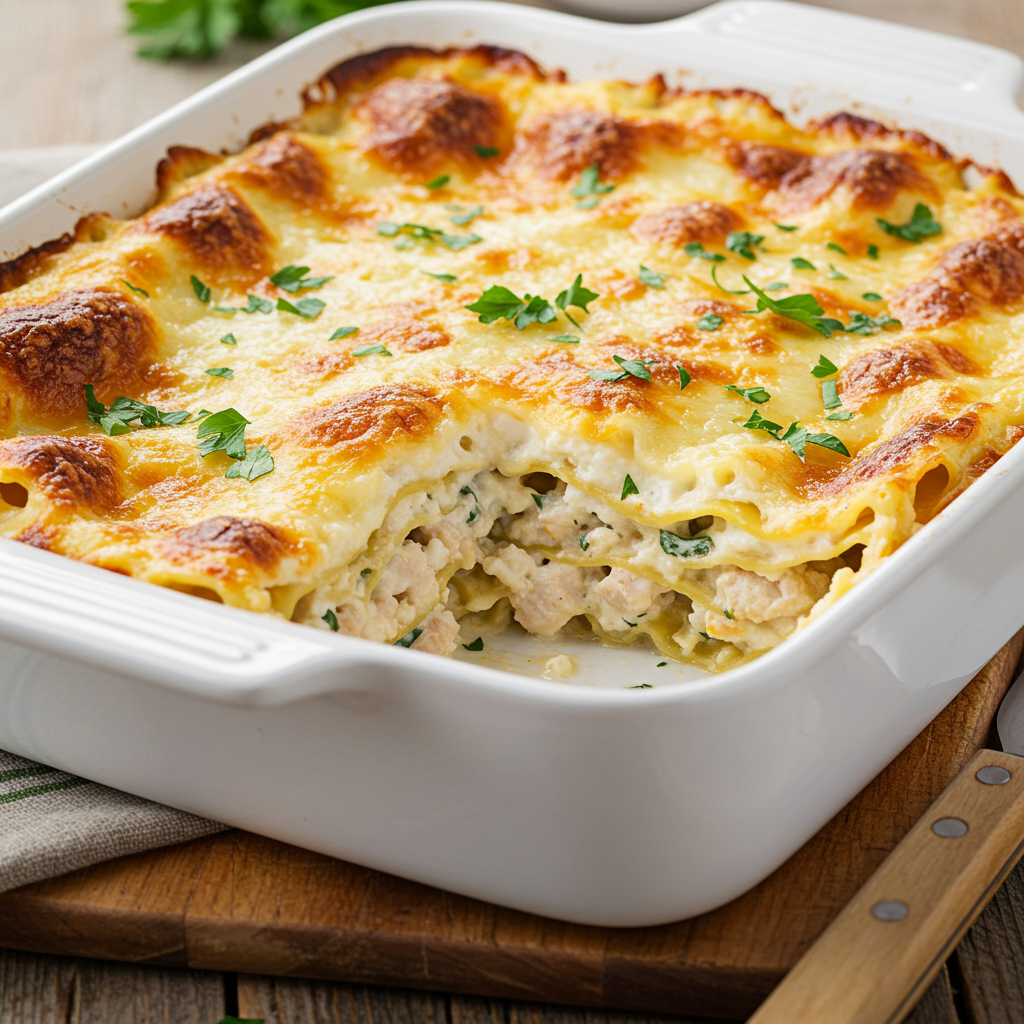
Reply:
x=872, y=964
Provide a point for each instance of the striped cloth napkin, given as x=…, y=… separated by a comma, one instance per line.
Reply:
x=52, y=822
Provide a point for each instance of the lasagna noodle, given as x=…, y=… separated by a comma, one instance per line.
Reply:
x=433, y=472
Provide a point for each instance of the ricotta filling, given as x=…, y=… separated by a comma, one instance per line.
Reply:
x=484, y=552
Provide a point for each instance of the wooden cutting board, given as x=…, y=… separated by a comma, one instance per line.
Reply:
x=238, y=902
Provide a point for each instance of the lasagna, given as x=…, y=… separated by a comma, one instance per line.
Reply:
x=466, y=345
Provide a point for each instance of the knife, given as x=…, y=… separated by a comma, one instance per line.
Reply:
x=873, y=963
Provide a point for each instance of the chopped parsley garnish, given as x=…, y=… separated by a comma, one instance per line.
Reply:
x=498, y=303
x=830, y=394
x=331, y=619
x=836, y=248
x=861, y=323
x=255, y=304
x=365, y=572
x=843, y=414
x=639, y=686
x=630, y=368
x=589, y=190
x=825, y=368
x=202, y=291
x=134, y=288
x=439, y=182
x=259, y=462
x=293, y=279
x=804, y=309
x=685, y=547
x=743, y=243
x=465, y=216
x=421, y=233
x=757, y=394
x=873, y=251
x=776, y=286
x=710, y=322
x=222, y=371
x=836, y=275
x=799, y=263
x=628, y=488
x=476, y=645
x=538, y=500
x=228, y=310
x=684, y=377
x=584, y=543
x=698, y=250
x=787, y=227
x=661, y=664
x=229, y=339
x=486, y=151
x=727, y=612
x=443, y=278
x=795, y=435
x=651, y=278
x=872, y=297
x=371, y=350
x=633, y=625
x=308, y=309
x=410, y=638
x=342, y=332
x=566, y=339
x=223, y=432
x=731, y=291
x=575, y=295
x=123, y=411
x=921, y=225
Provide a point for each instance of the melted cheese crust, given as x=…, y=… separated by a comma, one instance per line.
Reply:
x=370, y=448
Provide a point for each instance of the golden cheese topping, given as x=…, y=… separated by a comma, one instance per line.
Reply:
x=660, y=314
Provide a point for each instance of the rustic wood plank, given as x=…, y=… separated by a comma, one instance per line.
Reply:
x=37, y=989
x=990, y=960
x=936, y=1006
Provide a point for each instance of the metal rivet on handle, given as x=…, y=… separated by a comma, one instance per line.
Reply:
x=992, y=775
x=890, y=910
x=950, y=828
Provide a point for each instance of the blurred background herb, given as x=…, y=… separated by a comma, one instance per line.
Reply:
x=197, y=29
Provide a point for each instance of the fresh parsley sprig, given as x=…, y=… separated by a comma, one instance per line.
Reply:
x=125, y=411
x=422, y=233
x=743, y=243
x=757, y=394
x=589, y=190
x=804, y=309
x=259, y=462
x=629, y=368
x=575, y=295
x=293, y=279
x=500, y=303
x=796, y=436
x=223, y=432
x=698, y=250
x=921, y=225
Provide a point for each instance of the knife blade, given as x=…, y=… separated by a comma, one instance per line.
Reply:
x=872, y=964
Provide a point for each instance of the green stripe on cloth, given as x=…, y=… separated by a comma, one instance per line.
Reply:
x=21, y=773
x=50, y=787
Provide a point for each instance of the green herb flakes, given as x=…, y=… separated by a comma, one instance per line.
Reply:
x=871, y=297
x=589, y=190
x=825, y=368
x=308, y=309
x=804, y=309
x=861, y=323
x=223, y=432
x=776, y=286
x=843, y=414
x=836, y=248
x=628, y=488
x=799, y=263
x=464, y=217
x=124, y=411
x=698, y=250
x=584, y=543
x=421, y=233
x=836, y=275
x=685, y=547
x=787, y=227
x=921, y=225
x=684, y=377
x=757, y=394
x=486, y=151
x=743, y=243
x=343, y=332
x=229, y=339
x=727, y=612
x=410, y=638
x=331, y=619
x=259, y=462
x=629, y=368
x=575, y=295
x=566, y=339
x=293, y=279
x=202, y=291
x=371, y=350
x=221, y=371
x=710, y=322
x=134, y=288
x=498, y=303
x=651, y=278
x=872, y=252
x=830, y=394
x=255, y=304
x=476, y=645
x=439, y=182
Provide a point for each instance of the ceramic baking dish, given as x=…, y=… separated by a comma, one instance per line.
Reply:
x=592, y=803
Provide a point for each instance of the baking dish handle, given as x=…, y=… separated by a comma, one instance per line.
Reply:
x=129, y=628
x=967, y=73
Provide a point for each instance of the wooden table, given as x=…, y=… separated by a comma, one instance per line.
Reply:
x=71, y=77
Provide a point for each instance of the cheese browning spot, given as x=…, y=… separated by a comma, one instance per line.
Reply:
x=406, y=334
x=888, y=370
x=288, y=168
x=873, y=178
x=565, y=144
x=701, y=221
x=80, y=337
x=73, y=472
x=762, y=165
x=249, y=541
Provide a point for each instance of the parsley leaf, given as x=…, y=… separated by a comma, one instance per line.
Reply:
x=743, y=244
x=566, y=339
x=444, y=278
x=223, y=432
x=731, y=291
x=420, y=232
x=836, y=275
x=685, y=547
x=829, y=441
x=589, y=190
x=476, y=645
x=872, y=297
x=776, y=286
x=439, y=182
x=710, y=322
x=825, y=368
x=124, y=411
x=141, y=291
x=873, y=252
x=628, y=488
x=293, y=279
x=342, y=332
x=222, y=371
x=861, y=323
x=331, y=619
x=371, y=350
x=255, y=304
x=757, y=394
x=486, y=151
x=410, y=638
x=836, y=248
x=758, y=422
x=843, y=414
x=830, y=394
x=229, y=339
x=466, y=216
x=651, y=278
x=584, y=543
x=630, y=367
x=804, y=309
x=684, y=377
x=499, y=303
x=921, y=225
x=575, y=295
x=259, y=462
x=698, y=250
x=799, y=263
x=796, y=436
x=787, y=227
x=308, y=309
x=202, y=291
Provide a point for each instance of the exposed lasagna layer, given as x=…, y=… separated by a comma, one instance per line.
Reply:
x=468, y=343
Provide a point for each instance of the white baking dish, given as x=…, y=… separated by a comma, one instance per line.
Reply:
x=603, y=805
